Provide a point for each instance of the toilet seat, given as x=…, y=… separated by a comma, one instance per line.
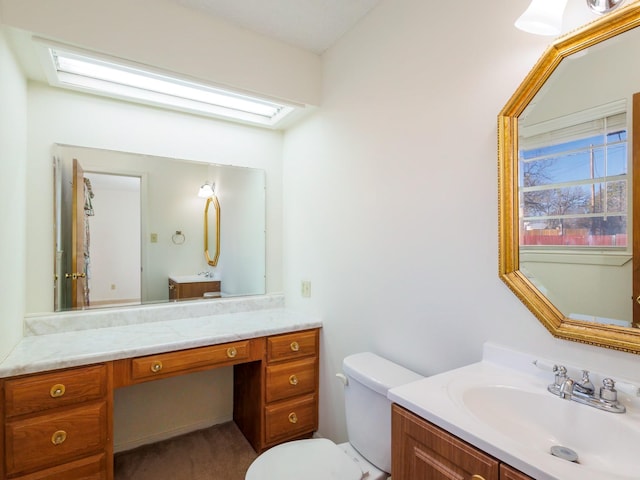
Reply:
x=314, y=459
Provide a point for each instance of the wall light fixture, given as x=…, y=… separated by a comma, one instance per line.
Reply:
x=206, y=190
x=544, y=17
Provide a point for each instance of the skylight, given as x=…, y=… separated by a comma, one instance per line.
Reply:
x=112, y=78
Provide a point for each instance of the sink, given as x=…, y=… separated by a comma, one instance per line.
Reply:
x=191, y=278
x=501, y=406
x=606, y=442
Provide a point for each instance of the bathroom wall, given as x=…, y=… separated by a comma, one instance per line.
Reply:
x=167, y=35
x=13, y=183
x=390, y=194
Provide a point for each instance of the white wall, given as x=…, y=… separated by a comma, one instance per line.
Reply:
x=167, y=35
x=13, y=154
x=390, y=195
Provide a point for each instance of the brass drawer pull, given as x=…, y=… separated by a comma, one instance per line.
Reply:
x=293, y=418
x=156, y=366
x=477, y=477
x=57, y=390
x=295, y=346
x=293, y=380
x=58, y=437
x=232, y=352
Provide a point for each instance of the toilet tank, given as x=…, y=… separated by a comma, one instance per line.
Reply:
x=368, y=411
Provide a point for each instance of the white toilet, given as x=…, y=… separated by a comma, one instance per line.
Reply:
x=368, y=414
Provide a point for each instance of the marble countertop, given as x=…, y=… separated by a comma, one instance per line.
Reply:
x=113, y=340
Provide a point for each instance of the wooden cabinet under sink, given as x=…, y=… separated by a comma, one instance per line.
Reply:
x=180, y=290
x=423, y=451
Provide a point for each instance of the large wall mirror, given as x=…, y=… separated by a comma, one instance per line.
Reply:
x=568, y=176
x=127, y=222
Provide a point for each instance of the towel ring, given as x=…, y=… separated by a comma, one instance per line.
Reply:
x=178, y=238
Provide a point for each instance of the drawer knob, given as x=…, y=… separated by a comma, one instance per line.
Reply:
x=58, y=437
x=57, y=390
x=293, y=380
x=295, y=346
x=231, y=352
x=293, y=418
x=156, y=366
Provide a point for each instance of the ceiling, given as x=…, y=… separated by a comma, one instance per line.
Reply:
x=313, y=25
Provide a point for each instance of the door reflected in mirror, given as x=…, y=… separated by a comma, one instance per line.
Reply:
x=116, y=218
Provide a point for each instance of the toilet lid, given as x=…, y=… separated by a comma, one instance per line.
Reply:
x=314, y=459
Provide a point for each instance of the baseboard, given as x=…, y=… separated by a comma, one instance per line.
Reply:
x=167, y=434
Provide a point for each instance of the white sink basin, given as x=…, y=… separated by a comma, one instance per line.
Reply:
x=191, y=278
x=508, y=413
x=606, y=442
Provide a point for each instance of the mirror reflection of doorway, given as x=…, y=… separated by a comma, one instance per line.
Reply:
x=99, y=241
x=114, y=244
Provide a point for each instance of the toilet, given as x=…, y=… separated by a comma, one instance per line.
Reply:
x=367, y=454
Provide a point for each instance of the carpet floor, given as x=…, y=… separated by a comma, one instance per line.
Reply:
x=217, y=453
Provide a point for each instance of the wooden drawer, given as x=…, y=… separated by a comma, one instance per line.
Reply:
x=57, y=389
x=288, y=379
x=287, y=420
x=292, y=345
x=91, y=468
x=156, y=366
x=55, y=438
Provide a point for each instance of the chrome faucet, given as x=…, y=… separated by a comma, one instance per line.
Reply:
x=585, y=385
x=584, y=392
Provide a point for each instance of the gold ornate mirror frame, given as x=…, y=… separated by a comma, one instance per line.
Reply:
x=619, y=338
x=212, y=261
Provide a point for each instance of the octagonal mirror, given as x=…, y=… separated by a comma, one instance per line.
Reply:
x=567, y=185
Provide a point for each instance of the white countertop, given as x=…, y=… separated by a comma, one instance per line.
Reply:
x=192, y=278
x=437, y=399
x=115, y=338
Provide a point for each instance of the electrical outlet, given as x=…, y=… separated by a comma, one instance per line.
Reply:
x=305, y=288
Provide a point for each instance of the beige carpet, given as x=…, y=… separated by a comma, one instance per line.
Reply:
x=217, y=453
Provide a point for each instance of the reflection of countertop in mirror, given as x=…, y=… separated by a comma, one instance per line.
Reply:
x=70, y=339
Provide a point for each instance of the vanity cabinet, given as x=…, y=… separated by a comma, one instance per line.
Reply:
x=423, y=451
x=190, y=290
x=288, y=376
x=58, y=425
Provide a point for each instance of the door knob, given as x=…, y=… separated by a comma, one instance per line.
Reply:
x=74, y=276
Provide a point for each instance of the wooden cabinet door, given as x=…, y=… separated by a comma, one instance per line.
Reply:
x=422, y=451
x=510, y=473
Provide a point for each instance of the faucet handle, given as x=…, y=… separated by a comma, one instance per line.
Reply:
x=561, y=374
x=608, y=391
